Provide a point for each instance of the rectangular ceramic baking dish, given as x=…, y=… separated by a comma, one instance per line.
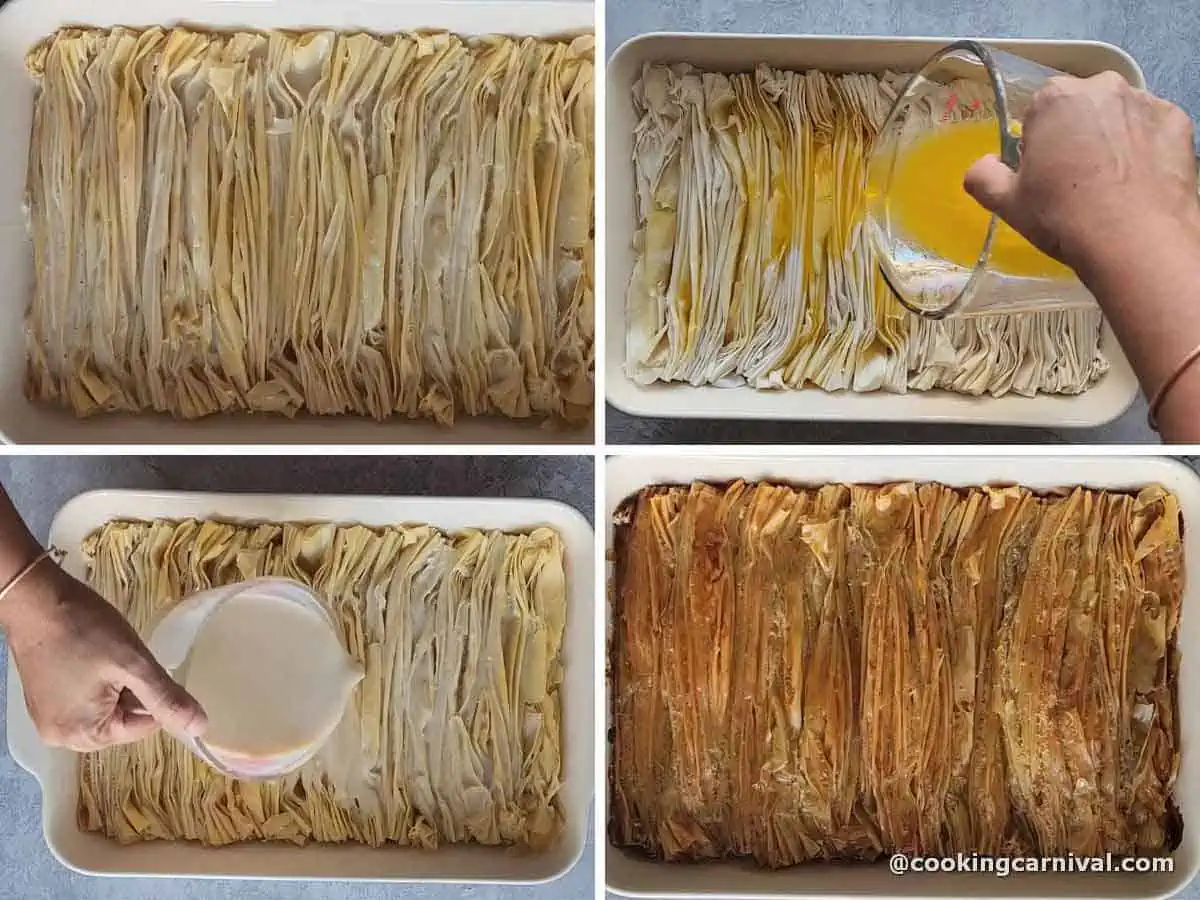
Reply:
x=632, y=876
x=24, y=22
x=1106, y=401
x=57, y=772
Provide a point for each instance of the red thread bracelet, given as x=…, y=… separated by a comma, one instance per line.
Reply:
x=1161, y=394
x=49, y=553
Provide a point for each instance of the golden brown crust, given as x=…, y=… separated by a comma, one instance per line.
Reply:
x=843, y=672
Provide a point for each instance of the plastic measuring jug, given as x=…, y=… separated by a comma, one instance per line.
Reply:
x=271, y=706
x=941, y=253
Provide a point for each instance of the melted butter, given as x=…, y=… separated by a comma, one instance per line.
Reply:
x=781, y=226
x=926, y=201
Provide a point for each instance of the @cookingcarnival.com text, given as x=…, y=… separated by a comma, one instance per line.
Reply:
x=1003, y=866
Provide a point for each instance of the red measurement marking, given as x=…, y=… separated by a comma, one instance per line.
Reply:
x=977, y=104
x=951, y=102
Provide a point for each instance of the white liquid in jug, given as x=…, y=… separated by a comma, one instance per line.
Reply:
x=270, y=675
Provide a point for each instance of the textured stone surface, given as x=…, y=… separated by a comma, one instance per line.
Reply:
x=40, y=485
x=1160, y=34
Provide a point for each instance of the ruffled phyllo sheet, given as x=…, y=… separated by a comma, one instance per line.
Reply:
x=325, y=223
x=753, y=265
x=846, y=672
x=453, y=736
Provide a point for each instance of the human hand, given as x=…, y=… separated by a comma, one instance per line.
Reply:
x=89, y=680
x=1103, y=166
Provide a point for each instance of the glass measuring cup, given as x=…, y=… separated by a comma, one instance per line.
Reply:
x=176, y=634
x=964, y=82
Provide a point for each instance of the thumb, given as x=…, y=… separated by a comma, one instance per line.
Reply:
x=166, y=701
x=992, y=183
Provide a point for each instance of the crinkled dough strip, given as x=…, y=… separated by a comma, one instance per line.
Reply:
x=455, y=733
x=322, y=222
x=752, y=262
x=846, y=672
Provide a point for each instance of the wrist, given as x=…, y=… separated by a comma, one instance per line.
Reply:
x=1132, y=242
x=1176, y=420
x=28, y=593
x=16, y=552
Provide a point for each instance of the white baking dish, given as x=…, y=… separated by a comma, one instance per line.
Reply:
x=635, y=877
x=57, y=770
x=1106, y=401
x=24, y=22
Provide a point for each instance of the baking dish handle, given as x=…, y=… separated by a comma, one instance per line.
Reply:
x=23, y=742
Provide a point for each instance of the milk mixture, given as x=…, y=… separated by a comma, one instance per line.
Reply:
x=270, y=674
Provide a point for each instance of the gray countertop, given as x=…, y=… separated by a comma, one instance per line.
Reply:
x=1161, y=35
x=39, y=487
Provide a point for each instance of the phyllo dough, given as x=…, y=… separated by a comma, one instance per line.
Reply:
x=323, y=222
x=846, y=672
x=454, y=735
x=752, y=260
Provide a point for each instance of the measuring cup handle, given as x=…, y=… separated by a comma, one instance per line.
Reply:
x=131, y=704
x=1010, y=150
